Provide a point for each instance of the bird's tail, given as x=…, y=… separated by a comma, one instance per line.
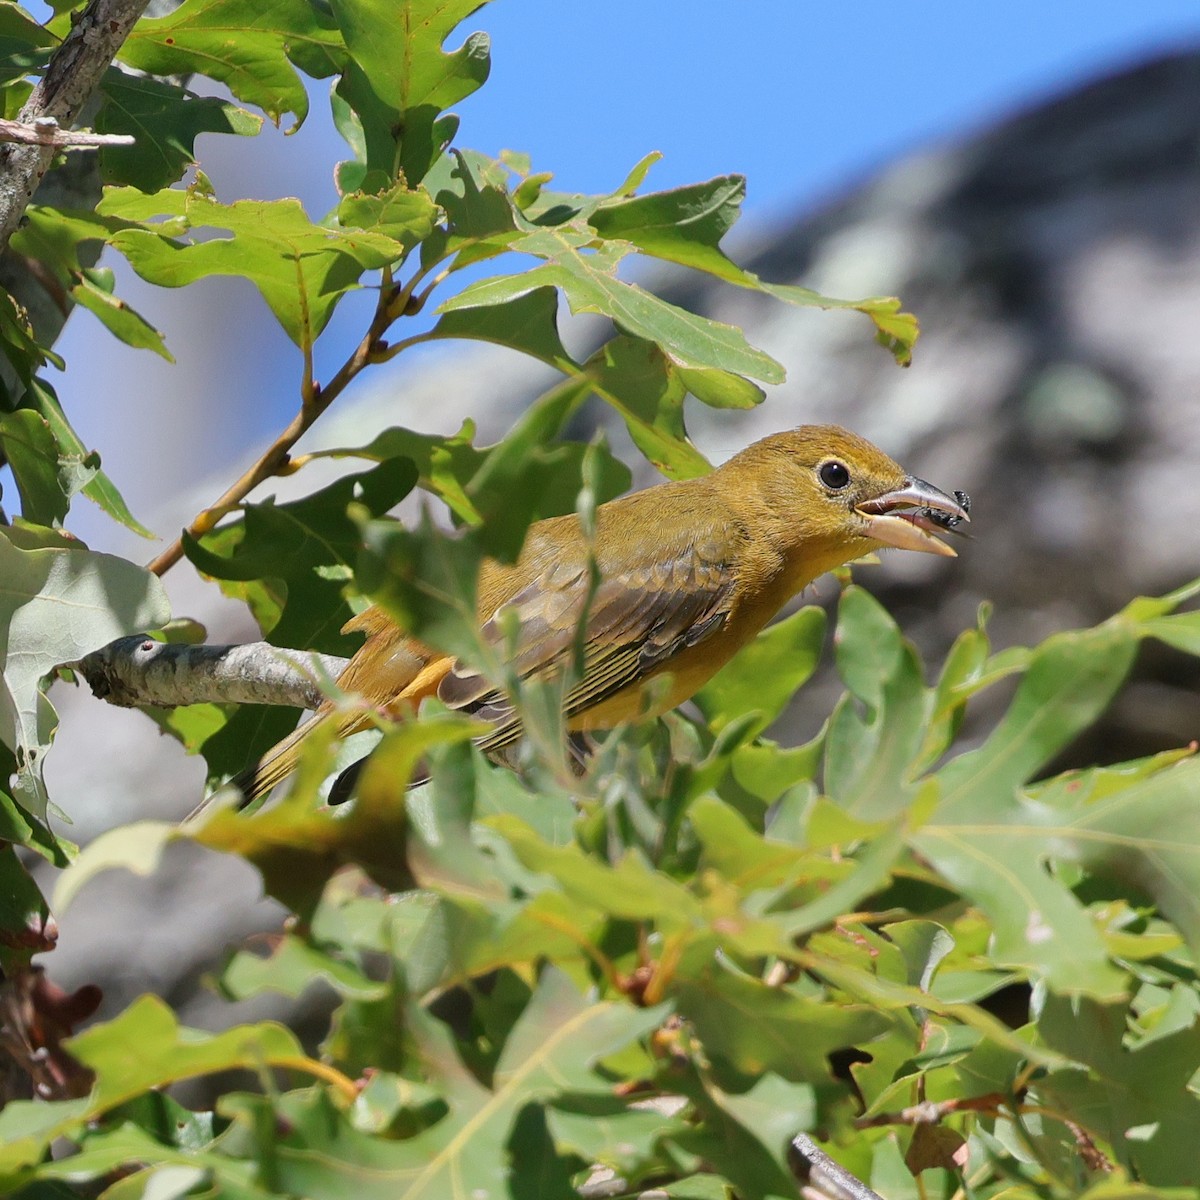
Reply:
x=282, y=759
x=273, y=768
x=277, y=764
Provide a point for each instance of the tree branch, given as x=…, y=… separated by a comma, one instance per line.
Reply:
x=38, y=1016
x=137, y=672
x=820, y=1176
x=314, y=400
x=930, y=1112
x=74, y=72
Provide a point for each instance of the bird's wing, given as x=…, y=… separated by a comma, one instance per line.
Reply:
x=638, y=619
x=387, y=662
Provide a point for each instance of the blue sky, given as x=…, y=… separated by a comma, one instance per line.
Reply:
x=805, y=99
x=799, y=96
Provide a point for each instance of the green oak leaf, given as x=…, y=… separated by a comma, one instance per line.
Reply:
x=294, y=544
x=876, y=730
x=686, y=225
x=282, y=560
x=587, y=275
x=400, y=213
x=748, y=1027
x=765, y=675
x=253, y=50
x=46, y=477
x=141, y=1049
x=398, y=80
x=528, y=322
x=1134, y=1092
x=165, y=120
x=53, y=238
x=290, y=969
x=25, y=927
x=99, y=488
x=552, y=1050
x=302, y=270
x=25, y=46
x=744, y=1135
x=20, y=348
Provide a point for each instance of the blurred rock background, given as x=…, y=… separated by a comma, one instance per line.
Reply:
x=1054, y=262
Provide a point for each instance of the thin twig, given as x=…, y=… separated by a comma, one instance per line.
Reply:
x=929, y=1112
x=389, y=352
x=1093, y=1157
x=394, y=301
x=72, y=76
x=268, y=464
x=315, y=398
x=46, y=131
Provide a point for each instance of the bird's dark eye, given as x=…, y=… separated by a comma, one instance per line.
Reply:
x=834, y=474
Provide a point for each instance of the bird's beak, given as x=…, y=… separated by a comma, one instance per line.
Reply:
x=907, y=517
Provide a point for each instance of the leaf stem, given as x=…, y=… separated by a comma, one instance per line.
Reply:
x=663, y=971
x=382, y=356
x=309, y=389
x=398, y=303
x=342, y=1084
x=599, y=959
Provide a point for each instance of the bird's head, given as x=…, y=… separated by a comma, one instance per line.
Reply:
x=835, y=496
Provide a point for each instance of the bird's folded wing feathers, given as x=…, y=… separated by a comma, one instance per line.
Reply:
x=395, y=663
x=637, y=620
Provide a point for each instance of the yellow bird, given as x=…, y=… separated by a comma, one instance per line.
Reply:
x=690, y=571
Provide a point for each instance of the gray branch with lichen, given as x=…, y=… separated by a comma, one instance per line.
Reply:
x=138, y=672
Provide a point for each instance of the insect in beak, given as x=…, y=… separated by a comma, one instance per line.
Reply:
x=910, y=517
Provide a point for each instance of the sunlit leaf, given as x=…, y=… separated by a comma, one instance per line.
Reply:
x=301, y=269
x=587, y=277
x=553, y=1049
x=876, y=730
x=768, y=672
x=399, y=79
x=249, y=49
